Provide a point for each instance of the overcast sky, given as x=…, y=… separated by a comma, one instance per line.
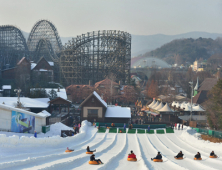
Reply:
x=139, y=17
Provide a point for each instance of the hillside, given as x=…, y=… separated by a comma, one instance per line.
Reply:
x=187, y=50
x=145, y=43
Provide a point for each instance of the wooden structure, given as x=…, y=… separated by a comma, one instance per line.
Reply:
x=58, y=104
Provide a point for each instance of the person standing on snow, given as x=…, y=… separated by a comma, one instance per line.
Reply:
x=148, y=128
x=179, y=127
x=175, y=125
x=35, y=134
x=182, y=127
x=124, y=127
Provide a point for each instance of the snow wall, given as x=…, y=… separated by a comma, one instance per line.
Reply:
x=24, y=141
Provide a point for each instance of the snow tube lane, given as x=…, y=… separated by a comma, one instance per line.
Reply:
x=45, y=160
x=188, y=163
x=132, y=145
x=149, y=151
x=79, y=160
x=114, y=161
x=190, y=151
x=32, y=153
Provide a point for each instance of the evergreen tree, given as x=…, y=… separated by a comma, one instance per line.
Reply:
x=52, y=94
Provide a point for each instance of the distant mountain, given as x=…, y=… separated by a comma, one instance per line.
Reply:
x=185, y=50
x=145, y=43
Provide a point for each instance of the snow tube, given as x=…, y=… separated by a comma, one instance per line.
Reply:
x=157, y=160
x=179, y=158
x=213, y=156
x=131, y=159
x=68, y=151
x=89, y=152
x=197, y=158
x=93, y=163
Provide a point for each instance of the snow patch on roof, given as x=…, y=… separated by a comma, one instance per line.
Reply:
x=44, y=113
x=51, y=63
x=100, y=99
x=33, y=65
x=6, y=87
x=118, y=112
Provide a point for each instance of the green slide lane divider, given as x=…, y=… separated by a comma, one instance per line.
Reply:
x=132, y=131
x=160, y=132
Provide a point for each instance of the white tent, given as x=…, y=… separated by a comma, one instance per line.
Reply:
x=154, y=102
x=187, y=108
x=177, y=105
x=155, y=105
x=174, y=103
x=166, y=108
x=160, y=106
x=198, y=108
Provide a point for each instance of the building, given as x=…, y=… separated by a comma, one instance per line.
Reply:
x=95, y=109
x=22, y=121
x=196, y=65
x=202, y=93
x=42, y=70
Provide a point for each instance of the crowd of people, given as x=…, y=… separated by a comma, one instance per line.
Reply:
x=175, y=126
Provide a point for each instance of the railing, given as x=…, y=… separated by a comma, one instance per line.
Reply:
x=216, y=134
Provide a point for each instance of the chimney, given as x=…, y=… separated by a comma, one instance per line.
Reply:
x=58, y=89
x=90, y=82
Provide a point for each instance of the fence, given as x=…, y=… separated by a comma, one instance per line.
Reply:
x=155, y=126
x=216, y=134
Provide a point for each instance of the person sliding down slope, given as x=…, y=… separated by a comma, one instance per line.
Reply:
x=88, y=150
x=70, y=149
x=92, y=158
x=212, y=154
x=179, y=155
x=198, y=155
x=159, y=156
x=131, y=155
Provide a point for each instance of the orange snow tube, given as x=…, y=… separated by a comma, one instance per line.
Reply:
x=93, y=163
x=179, y=158
x=131, y=159
x=213, y=156
x=197, y=158
x=89, y=152
x=157, y=160
x=68, y=151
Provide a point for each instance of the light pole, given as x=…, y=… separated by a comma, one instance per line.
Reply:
x=191, y=84
x=18, y=91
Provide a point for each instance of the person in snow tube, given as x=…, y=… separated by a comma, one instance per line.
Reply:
x=179, y=155
x=70, y=149
x=212, y=154
x=88, y=150
x=92, y=158
x=132, y=155
x=159, y=156
x=197, y=156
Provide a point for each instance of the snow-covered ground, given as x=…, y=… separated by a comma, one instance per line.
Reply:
x=23, y=152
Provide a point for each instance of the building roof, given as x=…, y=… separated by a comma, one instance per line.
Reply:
x=23, y=59
x=44, y=113
x=154, y=102
x=118, y=112
x=155, y=105
x=7, y=107
x=201, y=97
x=166, y=108
x=198, y=108
x=61, y=99
x=160, y=106
x=27, y=102
x=6, y=87
x=97, y=96
x=208, y=84
x=105, y=82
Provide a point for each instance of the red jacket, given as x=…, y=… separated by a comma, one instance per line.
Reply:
x=132, y=155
